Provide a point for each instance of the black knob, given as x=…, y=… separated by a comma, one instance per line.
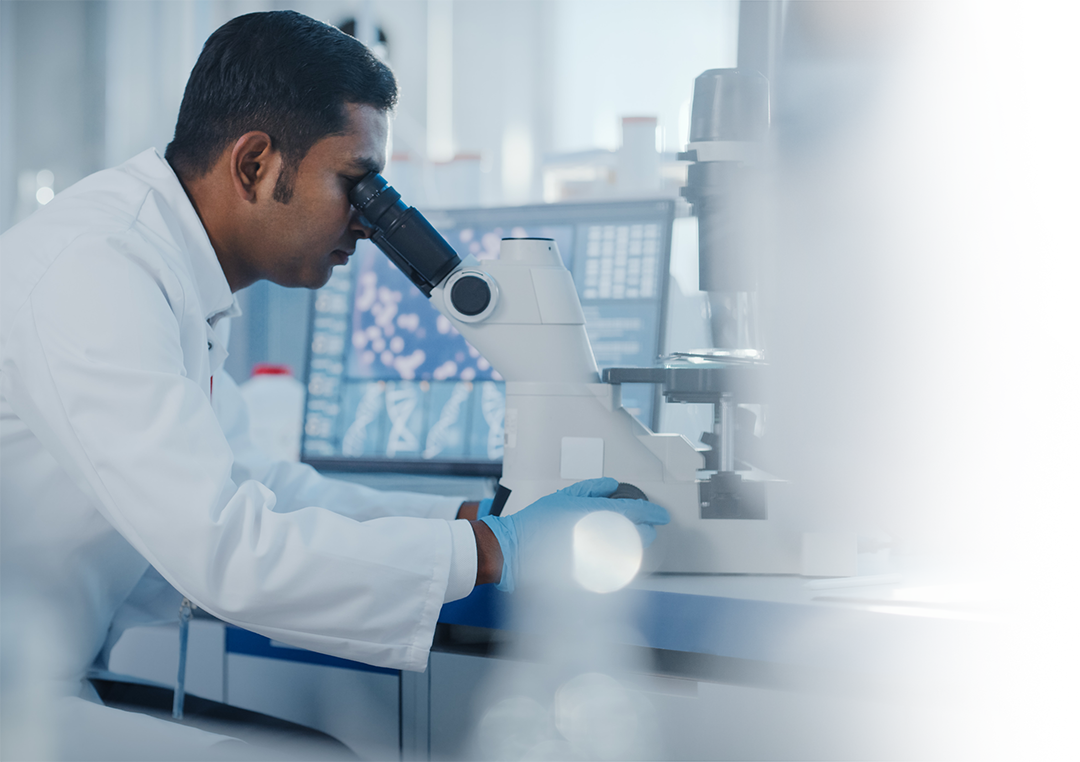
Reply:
x=627, y=491
x=470, y=295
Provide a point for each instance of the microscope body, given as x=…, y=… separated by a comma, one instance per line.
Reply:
x=563, y=425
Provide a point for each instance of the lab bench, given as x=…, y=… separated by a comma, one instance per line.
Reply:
x=733, y=666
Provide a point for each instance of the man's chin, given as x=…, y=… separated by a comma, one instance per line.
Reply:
x=336, y=259
x=319, y=281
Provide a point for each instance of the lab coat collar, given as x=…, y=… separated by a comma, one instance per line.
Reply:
x=217, y=298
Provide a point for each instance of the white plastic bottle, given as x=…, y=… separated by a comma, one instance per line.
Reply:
x=275, y=403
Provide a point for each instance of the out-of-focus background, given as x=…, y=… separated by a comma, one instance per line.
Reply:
x=522, y=90
x=502, y=103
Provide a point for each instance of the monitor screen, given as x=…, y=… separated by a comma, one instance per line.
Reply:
x=393, y=386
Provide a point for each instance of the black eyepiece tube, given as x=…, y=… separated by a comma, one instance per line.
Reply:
x=403, y=234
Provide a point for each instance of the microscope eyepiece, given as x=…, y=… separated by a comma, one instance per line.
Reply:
x=376, y=199
x=403, y=234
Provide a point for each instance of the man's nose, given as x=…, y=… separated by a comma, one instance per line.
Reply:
x=360, y=227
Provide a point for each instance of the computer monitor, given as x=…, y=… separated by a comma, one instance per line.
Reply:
x=393, y=387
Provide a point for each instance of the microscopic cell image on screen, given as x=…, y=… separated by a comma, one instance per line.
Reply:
x=397, y=334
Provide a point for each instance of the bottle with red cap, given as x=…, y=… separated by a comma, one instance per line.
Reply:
x=275, y=403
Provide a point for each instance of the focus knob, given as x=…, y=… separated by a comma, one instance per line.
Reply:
x=470, y=295
x=627, y=491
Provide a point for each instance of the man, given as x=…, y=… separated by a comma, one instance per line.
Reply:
x=128, y=479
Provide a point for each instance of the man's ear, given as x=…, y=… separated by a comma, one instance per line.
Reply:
x=253, y=165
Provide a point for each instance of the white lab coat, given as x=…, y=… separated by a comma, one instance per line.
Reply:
x=127, y=474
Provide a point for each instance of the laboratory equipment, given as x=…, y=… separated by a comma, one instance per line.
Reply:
x=563, y=424
x=392, y=386
x=729, y=122
x=275, y=403
x=723, y=380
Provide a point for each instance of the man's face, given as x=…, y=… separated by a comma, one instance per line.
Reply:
x=298, y=243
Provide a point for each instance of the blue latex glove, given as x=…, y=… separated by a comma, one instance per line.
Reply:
x=551, y=519
x=484, y=509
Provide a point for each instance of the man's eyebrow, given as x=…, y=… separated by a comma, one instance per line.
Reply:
x=366, y=164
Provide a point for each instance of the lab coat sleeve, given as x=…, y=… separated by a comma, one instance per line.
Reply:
x=95, y=361
x=298, y=485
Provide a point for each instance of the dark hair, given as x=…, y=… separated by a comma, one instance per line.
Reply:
x=280, y=72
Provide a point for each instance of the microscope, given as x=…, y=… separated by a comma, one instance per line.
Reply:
x=564, y=421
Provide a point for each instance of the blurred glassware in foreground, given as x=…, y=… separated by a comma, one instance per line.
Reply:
x=902, y=270
x=1060, y=563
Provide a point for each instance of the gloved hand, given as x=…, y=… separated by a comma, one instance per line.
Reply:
x=546, y=526
x=483, y=508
